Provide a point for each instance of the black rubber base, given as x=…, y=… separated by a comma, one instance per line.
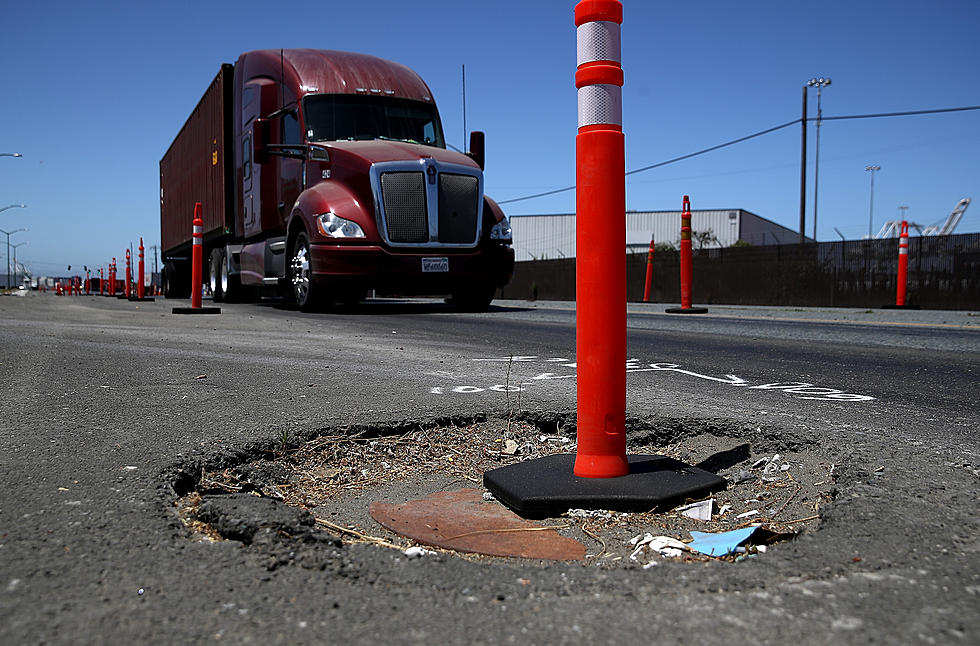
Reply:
x=899, y=307
x=197, y=310
x=547, y=487
x=686, y=310
x=143, y=300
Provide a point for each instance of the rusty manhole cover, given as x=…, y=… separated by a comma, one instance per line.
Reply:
x=463, y=521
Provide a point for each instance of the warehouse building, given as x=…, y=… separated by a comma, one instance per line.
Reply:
x=550, y=237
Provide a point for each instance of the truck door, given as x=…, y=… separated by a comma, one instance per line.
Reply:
x=290, y=169
x=258, y=192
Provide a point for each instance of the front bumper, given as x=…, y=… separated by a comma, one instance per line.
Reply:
x=375, y=267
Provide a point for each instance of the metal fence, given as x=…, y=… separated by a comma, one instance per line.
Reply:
x=944, y=273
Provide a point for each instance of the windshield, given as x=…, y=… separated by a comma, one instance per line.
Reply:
x=340, y=117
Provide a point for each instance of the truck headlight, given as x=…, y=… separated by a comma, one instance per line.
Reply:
x=334, y=226
x=502, y=231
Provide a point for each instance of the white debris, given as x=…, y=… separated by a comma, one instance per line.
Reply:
x=589, y=513
x=785, y=467
x=761, y=549
x=747, y=514
x=663, y=545
x=723, y=509
x=699, y=510
x=772, y=466
x=510, y=447
x=417, y=552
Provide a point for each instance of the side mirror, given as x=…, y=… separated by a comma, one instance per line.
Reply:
x=261, y=134
x=478, y=148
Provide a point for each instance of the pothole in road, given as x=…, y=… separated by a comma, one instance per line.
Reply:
x=323, y=489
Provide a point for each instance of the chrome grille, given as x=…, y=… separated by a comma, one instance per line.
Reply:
x=459, y=206
x=406, y=215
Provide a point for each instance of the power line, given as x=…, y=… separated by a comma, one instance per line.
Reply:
x=896, y=114
x=752, y=136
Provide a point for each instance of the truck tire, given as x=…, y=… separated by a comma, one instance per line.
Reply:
x=306, y=293
x=218, y=275
x=170, y=281
x=473, y=299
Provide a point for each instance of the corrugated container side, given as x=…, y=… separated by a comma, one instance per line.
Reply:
x=194, y=168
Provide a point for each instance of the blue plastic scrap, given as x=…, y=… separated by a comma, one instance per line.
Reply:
x=721, y=543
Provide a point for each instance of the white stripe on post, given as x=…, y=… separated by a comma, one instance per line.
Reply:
x=598, y=41
x=599, y=104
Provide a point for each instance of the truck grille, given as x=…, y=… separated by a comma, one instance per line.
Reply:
x=416, y=211
x=406, y=214
x=459, y=199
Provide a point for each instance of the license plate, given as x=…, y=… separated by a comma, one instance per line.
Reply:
x=432, y=265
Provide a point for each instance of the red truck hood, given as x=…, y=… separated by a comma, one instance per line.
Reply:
x=378, y=150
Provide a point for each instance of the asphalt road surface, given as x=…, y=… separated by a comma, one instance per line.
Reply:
x=107, y=404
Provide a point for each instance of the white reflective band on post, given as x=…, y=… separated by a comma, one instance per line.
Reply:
x=198, y=230
x=600, y=104
x=903, y=251
x=598, y=41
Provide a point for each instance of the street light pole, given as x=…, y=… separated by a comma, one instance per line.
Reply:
x=871, y=205
x=820, y=84
x=11, y=206
x=8, y=234
x=10, y=155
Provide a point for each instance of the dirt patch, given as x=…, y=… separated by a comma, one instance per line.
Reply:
x=775, y=480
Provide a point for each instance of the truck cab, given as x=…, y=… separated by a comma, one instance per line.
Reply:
x=343, y=184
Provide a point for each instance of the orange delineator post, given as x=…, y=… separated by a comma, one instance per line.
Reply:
x=112, y=277
x=903, y=264
x=600, y=243
x=197, y=257
x=648, y=283
x=687, y=269
x=129, y=275
x=101, y=282
x=139, y=285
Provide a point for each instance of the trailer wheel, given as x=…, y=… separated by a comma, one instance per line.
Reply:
x=218, y=275
x=305, y=291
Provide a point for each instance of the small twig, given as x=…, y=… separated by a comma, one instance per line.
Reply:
x=798, y=520
x=783, y=506
x=358, y=535
x=597, y=538
x=502, y=531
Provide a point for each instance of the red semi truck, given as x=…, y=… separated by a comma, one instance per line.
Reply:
x=324, y=174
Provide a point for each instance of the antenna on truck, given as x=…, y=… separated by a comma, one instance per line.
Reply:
x=464, y=106
x=282, y=80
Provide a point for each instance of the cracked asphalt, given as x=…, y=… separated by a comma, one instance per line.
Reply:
x=111, y=408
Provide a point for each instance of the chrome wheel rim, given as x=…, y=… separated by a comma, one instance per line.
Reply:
x=300, y=265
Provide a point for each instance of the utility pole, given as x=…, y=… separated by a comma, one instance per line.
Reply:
x=155, y=248
x=803, y=171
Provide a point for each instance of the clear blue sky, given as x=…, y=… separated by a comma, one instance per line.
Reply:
x=94, y=93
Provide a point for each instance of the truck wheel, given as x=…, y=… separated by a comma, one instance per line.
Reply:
x=170, y=281
x=305, y=291
x=218, y=275
x=473, y=299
